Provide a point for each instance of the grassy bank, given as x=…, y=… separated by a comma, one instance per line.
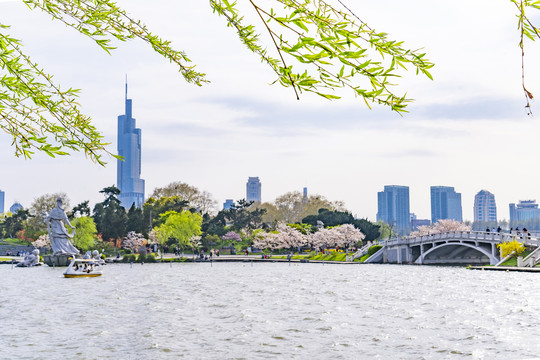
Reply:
x=513, y=261
x=332, y=256
x=10, y=241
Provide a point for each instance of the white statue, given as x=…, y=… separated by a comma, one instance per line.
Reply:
x=31, y=259
x=58, y=234
x=97, y=257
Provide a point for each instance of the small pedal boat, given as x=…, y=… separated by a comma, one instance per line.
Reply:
x=83, y=268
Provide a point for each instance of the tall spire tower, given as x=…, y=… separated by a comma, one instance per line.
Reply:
x=128, y=173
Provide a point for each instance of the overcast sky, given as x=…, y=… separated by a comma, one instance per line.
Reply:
x=467, y=128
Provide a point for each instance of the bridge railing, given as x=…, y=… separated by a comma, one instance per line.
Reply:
x=493, y=237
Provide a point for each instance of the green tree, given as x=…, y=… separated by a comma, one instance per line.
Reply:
x=85, y=233
x=14, y=223
x=292, y=207
x=201, y=200
x=302, y=228
x=154, y=207
x=329, y=218
x=385, y=230
x=245, y=218
x=216, y=225
x=371, y=230
x=209, y=241
x=334, y=218
x=110, y=217
x=180, y=227
x=135, y=221
x=82, y=209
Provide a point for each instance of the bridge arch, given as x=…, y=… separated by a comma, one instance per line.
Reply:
x=457, y=253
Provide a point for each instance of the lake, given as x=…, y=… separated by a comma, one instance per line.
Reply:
x=269, y=310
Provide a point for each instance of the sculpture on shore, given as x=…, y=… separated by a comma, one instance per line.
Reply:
x=31, y=259
x=97, y=256
x=58, y=234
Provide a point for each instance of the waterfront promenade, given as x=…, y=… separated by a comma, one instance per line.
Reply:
x=169, y=257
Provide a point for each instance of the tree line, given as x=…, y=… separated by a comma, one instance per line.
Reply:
x=181, y=216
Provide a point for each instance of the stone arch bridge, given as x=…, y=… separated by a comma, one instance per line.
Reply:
x=451, y=248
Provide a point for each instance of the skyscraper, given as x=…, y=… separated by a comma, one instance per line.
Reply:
x=2, y=200
x=128, y=176
x=15, y=207
x=229, y=203
x=445, y=204
x=485, y=209
x=253, y=189
x=393, y=207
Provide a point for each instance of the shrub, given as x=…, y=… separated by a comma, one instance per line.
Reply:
x=129, y=258
x=372, y=250
x=510, y=246
x=150, y=258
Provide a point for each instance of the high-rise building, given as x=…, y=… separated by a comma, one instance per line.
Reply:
x=445, y=204
x=253, y=189
x=525, y=211
x=305, y=195
x=485, y=209
x=228, y=204
x=128, y=175
x=2, y=200
x=15, y=207
x=393, y=207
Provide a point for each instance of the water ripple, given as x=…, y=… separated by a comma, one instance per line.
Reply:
x=260, y=311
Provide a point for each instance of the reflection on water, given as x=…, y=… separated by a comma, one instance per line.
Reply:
x=270, y=310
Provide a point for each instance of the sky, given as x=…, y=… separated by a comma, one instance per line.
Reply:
x=467, y=128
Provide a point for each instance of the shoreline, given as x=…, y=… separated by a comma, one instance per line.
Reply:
x=223, y=258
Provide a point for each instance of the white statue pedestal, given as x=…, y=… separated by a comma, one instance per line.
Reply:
x=57, y=260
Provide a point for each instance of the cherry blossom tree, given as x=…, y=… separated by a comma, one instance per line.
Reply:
x=133, y=241
x=195, y=241
x=42, y=241
x=341, y=236
x=322, y=238
x=265, y=240
x=285, y=237
x=441, y=226
x=349, y=235
x=288, y=237
x=231, y=235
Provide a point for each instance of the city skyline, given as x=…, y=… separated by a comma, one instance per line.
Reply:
x=244, y=127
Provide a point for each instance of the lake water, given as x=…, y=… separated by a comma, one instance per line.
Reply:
x=269, y=310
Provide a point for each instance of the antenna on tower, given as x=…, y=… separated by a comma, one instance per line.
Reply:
x=126, y=86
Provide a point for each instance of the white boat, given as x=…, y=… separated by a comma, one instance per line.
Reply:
x=83, y=268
